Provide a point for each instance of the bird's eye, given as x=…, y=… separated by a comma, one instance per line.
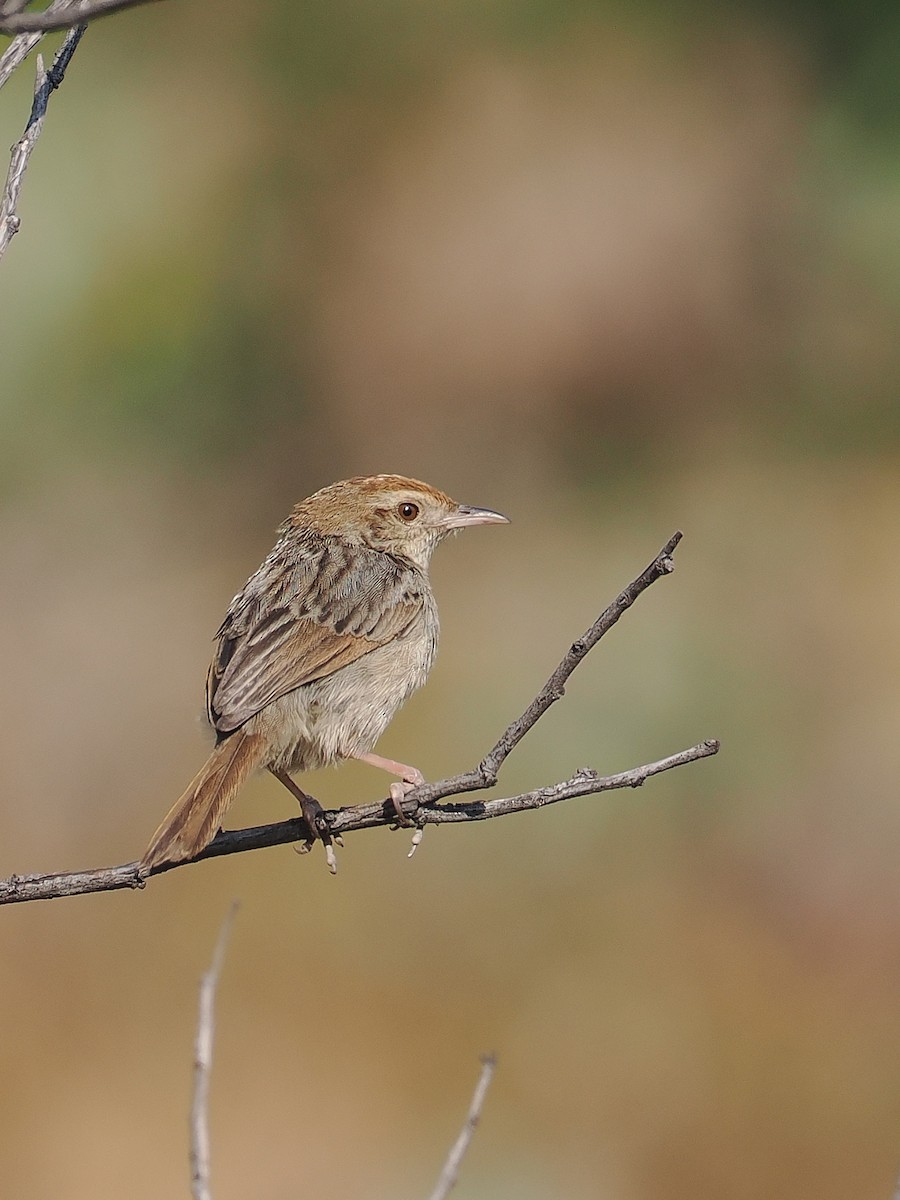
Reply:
x=408, y=511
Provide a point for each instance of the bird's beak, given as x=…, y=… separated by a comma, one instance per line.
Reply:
x=465, y=515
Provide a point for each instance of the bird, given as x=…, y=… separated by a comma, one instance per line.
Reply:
x=319, y=649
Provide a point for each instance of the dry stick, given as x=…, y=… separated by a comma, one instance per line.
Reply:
x=485, y=774
x=10, y=7
x=450, y=1173
x=62, y=15
x=16, y=53
x=46, y=82
x=203, y=1050
x=22, y=45
x=420, y=803
x=59, y=14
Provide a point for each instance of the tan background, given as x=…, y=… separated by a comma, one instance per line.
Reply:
x=613, y=270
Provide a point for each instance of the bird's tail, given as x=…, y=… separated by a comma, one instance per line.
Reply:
x=194, y=819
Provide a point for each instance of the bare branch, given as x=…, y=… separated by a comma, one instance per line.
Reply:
x=420, y=805
x=485, y=774
x=16, y=53
x=19, y=888
x=450, y=1173
x=203, y=1050
x=46, y=82
x=61, y=15
x=22, y=45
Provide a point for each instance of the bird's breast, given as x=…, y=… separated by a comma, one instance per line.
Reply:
x=344, y=714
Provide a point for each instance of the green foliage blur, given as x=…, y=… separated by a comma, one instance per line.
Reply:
x=613, y=269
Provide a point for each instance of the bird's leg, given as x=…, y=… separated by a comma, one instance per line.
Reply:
x=410, y=777
x=313, y=815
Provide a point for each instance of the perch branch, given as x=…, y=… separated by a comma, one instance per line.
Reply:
x=46, y=82
x=450, y=1172
x=203, y=1051
x=18, y=888
x=60, y=15
x=420, y=805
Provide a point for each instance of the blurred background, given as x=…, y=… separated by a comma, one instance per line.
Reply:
x=613, y=269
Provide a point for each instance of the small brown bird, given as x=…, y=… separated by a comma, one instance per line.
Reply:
x=321, y=647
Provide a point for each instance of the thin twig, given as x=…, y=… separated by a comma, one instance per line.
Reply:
x=420, y=805
x=22, y=44
x=62, y=16
x=203, y=1051
x=450, y=1173
x=46, y=82
x=485, y=774
x=16, y=53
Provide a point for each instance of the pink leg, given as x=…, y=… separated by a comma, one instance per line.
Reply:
x=410, y=777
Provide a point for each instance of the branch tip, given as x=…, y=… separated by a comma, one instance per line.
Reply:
x=450, y=1171
x=45, y=83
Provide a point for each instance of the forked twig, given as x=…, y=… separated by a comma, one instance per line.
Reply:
x=420, y=805
x=23, y=43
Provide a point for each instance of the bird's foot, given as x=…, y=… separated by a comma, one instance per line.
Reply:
x=408, y=778
x=316, y=822
x=320, y=831
x=399, y=792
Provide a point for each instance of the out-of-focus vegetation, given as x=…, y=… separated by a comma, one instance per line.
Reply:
x=613, y=269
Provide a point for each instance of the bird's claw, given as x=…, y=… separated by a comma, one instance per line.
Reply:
x=317, y=821
x=416, y=840
x=399, y=791
x=330, y=858
x=329, y=843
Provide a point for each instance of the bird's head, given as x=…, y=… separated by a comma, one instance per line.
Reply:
x=391, y=513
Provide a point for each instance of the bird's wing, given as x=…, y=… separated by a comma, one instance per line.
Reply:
x=314, y=606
